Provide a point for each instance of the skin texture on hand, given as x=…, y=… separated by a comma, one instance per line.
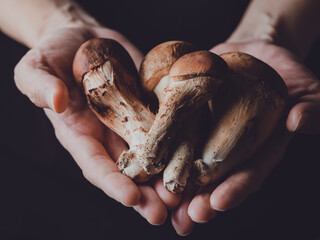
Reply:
x=303, y=115
x=303, y=87
x=44, y=74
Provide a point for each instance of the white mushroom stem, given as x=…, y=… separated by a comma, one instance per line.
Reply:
x=120, y=111
x=245, y=112
x=182, y=98
x=128, y=162
x=154, y=74
x=193, y=80
x=180, y=162
x=178, y=169
x=180, y=158
x=181, y=155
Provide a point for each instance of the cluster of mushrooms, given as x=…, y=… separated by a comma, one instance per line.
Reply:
x=192, y=114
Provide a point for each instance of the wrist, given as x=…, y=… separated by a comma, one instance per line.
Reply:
x=255, y=28
x=287, y=23
x=265, y=27
x=68, y=14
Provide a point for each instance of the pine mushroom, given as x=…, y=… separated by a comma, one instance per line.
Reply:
x=106, y=72
x=154, y=74
x=193, y=79
x=245, y=111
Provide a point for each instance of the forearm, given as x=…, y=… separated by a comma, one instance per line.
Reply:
x=290, y=23
x=28, y=20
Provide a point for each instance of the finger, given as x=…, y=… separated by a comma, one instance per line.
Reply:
x=35, y=79
x=180, y=218
x=199, y=209
x=114, y=150
x=98, y=167
x=171, y=200
x=223, y=48
x=304, y=117
x=150, y=206
x=236, y=188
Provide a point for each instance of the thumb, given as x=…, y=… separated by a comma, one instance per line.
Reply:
x=304, y=117
x=35, y=79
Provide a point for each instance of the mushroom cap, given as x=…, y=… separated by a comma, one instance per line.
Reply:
x=96, y=52
x=158, y=61
x=196, y=64
x=256, y=70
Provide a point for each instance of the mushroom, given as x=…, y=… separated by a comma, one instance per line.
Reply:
x=106, y=72
x=154, y=74
x=245, y=111
x=192, y=81
x=183, y=153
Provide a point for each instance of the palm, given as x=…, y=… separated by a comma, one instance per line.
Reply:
x=78, y=118
x=58, y=50
x=303, y=87
x=303, y=115
x=93, y=146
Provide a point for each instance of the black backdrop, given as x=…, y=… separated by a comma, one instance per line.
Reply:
x=43, y=194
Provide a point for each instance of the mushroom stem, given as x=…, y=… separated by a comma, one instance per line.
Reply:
x=193, y=79
x=245, y=112
x=178, y=169
x=107, y=74
x=155, y=78
x=181, y=160
x=180, y=101
x=129, y=118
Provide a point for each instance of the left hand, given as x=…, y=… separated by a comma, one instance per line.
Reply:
x=44, y=75
x=201, y=205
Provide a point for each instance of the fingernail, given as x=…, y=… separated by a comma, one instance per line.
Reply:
x=298, y=122
x=155, y=224
x=211, y=215
x=198, y=221
x=213, y=205
x=183, y=234
x=48, y=94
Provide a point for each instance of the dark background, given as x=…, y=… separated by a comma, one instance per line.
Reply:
x=43, y=194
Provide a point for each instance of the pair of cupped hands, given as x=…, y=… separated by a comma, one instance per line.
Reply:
x=44, y=74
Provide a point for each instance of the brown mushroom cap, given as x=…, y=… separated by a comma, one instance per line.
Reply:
x=196, y=64
x=245, y=112
x=96, y=52
x=158, y=61
x=256, y=70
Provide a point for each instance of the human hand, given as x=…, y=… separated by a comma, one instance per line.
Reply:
x=201, y=205
x=44, y=74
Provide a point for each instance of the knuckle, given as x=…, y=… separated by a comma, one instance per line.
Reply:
x=88, y=176
x=35, y=98
x=16, y=76
x=34, y=58
x=314, y=87
x=92, y=175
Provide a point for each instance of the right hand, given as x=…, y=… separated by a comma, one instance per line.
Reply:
x=303, y=116
x=44, y=74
